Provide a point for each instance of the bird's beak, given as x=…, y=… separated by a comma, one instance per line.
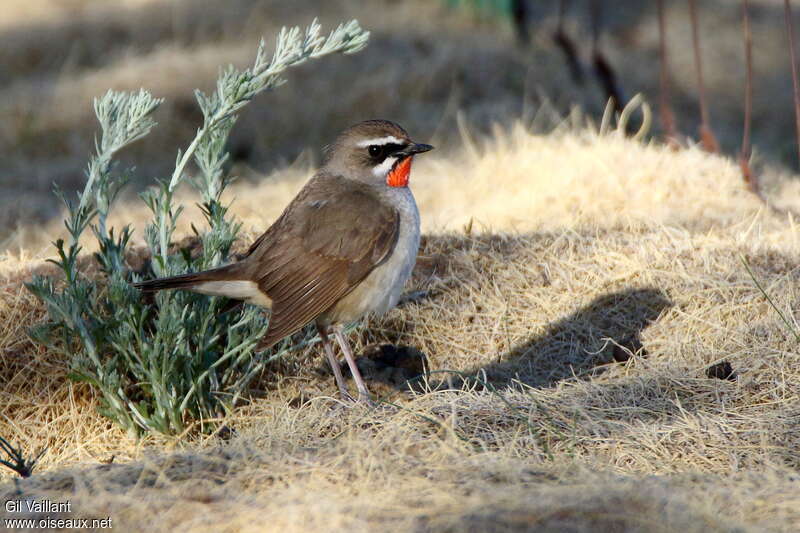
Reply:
x=414, y=148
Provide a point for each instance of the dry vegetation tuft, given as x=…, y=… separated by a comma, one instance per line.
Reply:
x=568, y=346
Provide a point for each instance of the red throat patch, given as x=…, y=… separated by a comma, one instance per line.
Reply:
x=398, y=176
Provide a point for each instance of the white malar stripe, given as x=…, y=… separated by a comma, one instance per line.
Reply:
x=380, y=171
x=380, y=141
x=238, y=290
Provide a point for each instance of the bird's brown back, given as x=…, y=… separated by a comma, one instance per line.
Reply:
x=329, y=238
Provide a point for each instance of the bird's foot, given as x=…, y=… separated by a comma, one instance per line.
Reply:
x=346, y=396
x=365, y=400
x=362, y=399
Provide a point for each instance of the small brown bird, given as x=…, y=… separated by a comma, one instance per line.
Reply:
x=344, y=247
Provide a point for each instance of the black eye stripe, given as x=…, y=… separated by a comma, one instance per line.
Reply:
x=381, y=151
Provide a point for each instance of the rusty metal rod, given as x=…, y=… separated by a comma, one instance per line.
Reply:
x=787, y=15
x=746, y=151
x=667, y=115
x=707, y=139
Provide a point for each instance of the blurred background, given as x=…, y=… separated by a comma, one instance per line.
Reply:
x=432, y=65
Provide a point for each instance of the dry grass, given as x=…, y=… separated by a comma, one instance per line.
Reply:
x=601, y=250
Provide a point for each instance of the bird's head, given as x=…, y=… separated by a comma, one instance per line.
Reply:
x=374, y=151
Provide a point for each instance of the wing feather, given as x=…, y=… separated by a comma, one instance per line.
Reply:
x=328, y=240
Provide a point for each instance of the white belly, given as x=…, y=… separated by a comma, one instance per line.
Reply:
x=382, y=288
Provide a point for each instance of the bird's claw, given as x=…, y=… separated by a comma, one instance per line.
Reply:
x=362, y=399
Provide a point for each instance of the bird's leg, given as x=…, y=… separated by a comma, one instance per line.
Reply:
x=363, y=393
x=337, y=372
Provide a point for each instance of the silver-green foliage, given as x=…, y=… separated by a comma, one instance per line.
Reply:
x=160, y=367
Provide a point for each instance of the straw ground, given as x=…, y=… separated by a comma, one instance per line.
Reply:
x=568, y=329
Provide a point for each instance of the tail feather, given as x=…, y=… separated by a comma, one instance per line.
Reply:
x=226, y=281
x=183, y=281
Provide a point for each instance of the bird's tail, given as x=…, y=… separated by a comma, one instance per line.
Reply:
x=227, y=281
x=186, y=281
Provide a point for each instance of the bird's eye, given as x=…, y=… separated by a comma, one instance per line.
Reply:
x=374, y=150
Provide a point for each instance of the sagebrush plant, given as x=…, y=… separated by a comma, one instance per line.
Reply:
x=163, y=366
x=16, y=460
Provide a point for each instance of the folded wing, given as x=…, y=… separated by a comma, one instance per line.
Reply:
x=329, y=239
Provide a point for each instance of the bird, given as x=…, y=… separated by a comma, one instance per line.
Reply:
x=344, y=247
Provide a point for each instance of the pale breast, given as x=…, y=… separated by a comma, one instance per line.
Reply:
x=381, y=289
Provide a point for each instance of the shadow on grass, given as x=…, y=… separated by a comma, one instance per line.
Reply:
x=607, y=329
